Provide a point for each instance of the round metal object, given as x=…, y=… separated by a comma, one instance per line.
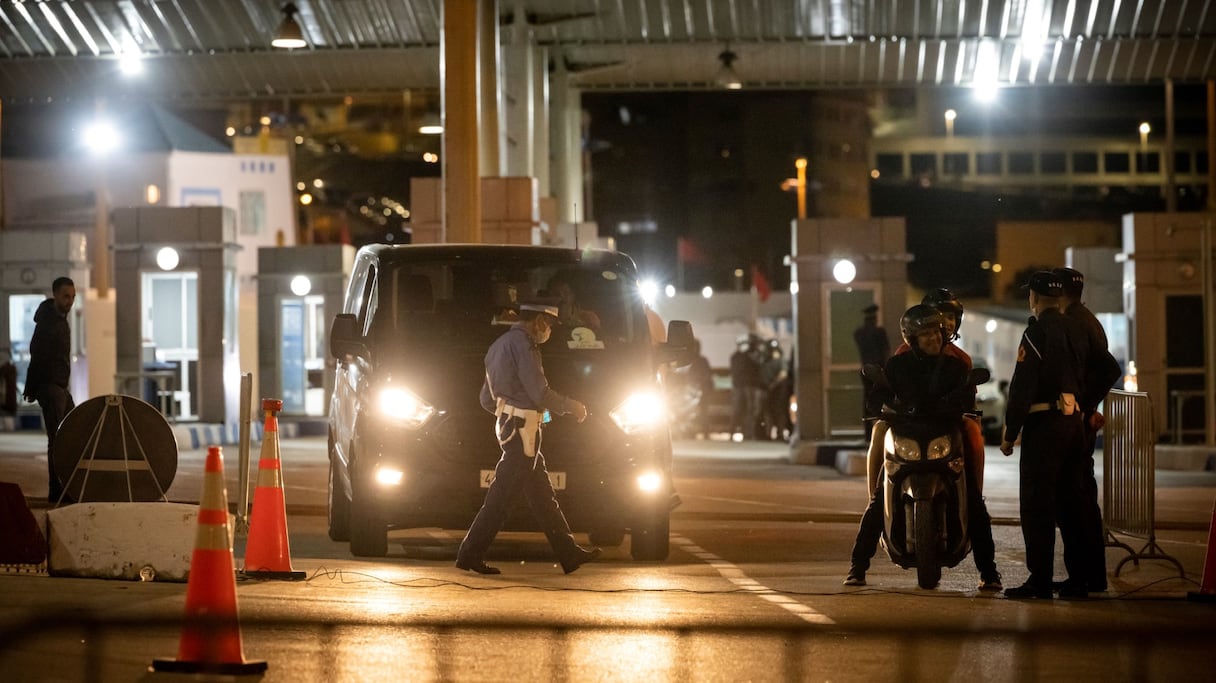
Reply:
x=115, y=448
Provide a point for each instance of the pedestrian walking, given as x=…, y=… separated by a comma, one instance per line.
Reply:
x=46, y=379
x=1043, y=408
x=517, y=392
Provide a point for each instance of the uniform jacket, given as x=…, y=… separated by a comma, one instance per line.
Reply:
x=1051, y=361
x=514, y=374
x=1101, y=369
x=50, y=349
x=872, y=344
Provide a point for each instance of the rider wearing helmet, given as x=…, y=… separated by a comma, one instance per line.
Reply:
x=928, y=374
x=951, y=309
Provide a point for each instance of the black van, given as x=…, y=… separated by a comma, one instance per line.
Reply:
x=411, y=446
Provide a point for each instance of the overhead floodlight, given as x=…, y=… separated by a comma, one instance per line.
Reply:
x=101, y=137
x=290, y=35
x=727, y=78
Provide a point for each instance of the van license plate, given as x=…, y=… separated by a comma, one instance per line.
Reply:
x=557, y=479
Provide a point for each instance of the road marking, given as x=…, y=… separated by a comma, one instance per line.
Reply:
x=735, y=575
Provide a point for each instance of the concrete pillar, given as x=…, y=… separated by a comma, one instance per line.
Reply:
x=539, y=150
x=518, y=96
x=458, y=77
x=567, y=143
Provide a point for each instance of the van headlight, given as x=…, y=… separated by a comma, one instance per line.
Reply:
x=404, y=406
x=903, y=449
x=650, y=481
x=642, y=410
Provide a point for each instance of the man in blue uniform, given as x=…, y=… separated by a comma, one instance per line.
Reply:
x=518, y=394
x=1043, y=407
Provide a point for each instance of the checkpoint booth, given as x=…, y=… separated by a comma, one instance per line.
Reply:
x=300, y=289
x=176, y=311
x=30, y=260
x=840, y=266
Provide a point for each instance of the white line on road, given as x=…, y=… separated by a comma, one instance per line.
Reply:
x=735, y=575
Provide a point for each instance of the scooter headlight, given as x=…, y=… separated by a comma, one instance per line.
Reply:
x=404, y=406
x=642, y=410
x=901, y=448
x=939, y=448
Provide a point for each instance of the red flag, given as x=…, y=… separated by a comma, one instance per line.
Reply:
x=760, y=283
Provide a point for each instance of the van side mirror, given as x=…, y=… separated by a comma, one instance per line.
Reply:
x=345, y=338
x=679, y=346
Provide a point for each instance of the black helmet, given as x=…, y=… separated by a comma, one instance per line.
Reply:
x=917, y=319
x=944, y=300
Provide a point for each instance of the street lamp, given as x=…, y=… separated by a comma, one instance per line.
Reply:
x=1145, y=129
x=800, y=164
x=950, y=116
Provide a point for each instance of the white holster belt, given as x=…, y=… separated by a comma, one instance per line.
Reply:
x=530, y=429
x=1067, y=404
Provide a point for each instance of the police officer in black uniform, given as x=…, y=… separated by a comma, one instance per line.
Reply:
x=1043, y=408
x=1101, y=373
x=518, y=394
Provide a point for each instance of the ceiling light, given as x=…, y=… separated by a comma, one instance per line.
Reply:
x=431, y=125
x=727, y=78
x=289, y=36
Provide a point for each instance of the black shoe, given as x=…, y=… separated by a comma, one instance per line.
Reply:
x=581, y=556
x=990, y=581
x=856, y=577
x=1028, y=591
x=479, y=566
x=1073, y=590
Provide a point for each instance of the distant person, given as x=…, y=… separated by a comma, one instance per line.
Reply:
x=570, y=312
x=701, y=378
x=775, y=378
x=46, y=380
x=744, y=376
x=873, y=348
x=517, y=392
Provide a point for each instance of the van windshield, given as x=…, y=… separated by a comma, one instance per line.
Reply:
x=467, y=302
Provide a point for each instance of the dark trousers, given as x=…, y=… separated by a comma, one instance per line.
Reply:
x=514, y=473
x=56, y=402
x=1050, y=494
x=979, y=526
x=1093, y=530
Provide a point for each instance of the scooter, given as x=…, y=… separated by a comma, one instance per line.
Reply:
x=925, y=488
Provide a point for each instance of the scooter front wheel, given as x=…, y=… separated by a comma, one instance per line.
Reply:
x=928, y=569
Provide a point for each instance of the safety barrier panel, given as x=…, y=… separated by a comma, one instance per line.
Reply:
x=1129, y=462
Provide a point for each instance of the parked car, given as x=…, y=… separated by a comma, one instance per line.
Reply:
x=410, y=444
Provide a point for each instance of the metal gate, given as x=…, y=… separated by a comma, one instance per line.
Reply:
x=1129, y=464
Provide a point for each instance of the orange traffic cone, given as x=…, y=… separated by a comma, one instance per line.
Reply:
x=267, y=553
x=211, y=634
x=1207, y=589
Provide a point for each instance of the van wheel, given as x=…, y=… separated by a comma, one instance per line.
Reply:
x=648, y=541
x=607, y=537
x=368, y=531
x=339, y=508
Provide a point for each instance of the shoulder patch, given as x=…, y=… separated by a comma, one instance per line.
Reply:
x=1021, y=352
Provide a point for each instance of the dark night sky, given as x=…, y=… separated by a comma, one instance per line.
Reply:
x=709, y=165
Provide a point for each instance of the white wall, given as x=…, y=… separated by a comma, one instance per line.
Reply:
x=720, y=320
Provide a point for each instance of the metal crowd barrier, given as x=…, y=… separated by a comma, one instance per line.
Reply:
x=1129, y=463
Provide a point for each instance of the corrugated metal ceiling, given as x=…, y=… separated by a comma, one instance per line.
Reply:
x=219, y=49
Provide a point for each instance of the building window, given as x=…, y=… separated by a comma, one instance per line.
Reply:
x=988, y=163
x=1148, y=162
x=890, y=165
x=1084, y=162
x=1021, y=163
x=1116, y=162
x=1053, y=162
x=1182, y=162
x=955, y=163
x=253, y=212
x=924, y=163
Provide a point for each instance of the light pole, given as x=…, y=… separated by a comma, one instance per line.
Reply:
x=800, y=164
x=950, y=116
x=1145, y=129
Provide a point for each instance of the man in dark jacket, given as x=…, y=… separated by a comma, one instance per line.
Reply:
x=46, y=380
x=1044, y=409
x=1101, y=373
x=873, y=348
